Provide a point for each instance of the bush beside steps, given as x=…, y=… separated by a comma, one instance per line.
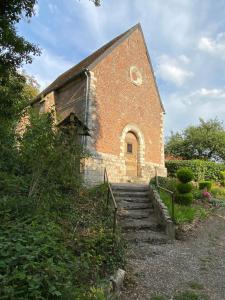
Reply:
x=183, y=195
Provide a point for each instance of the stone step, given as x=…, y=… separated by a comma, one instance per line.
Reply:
x=130, y=187
x=135, y=180
x=130, y=194
x=146, y=236
x=138, y=224
x=133, y=205
x=132, y=199
x=137, y=220
x=135, y=213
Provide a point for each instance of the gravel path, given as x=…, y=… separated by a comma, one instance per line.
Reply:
x=197, y=264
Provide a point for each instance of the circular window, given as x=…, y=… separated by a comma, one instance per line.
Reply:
x=135, y=75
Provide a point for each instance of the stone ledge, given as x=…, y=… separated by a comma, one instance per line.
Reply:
x=113, y=291
x=162, y=213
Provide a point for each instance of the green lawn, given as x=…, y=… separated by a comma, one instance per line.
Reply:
x=184, y=214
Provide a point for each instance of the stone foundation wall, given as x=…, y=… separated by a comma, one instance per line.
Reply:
x=162, y=213
x=116, y=169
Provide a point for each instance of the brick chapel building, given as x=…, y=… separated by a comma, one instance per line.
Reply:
x=113, y=95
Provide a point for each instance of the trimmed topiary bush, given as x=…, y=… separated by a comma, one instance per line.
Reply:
x=184, y=199
x=185, y=175
x=205, y=184
x=184, y=187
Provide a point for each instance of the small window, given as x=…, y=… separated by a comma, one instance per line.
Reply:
x=129, y=148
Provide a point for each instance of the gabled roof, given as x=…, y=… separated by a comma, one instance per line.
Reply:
x=84, y=64
x=92, y=60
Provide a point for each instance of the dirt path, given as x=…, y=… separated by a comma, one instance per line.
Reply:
x=197, y=265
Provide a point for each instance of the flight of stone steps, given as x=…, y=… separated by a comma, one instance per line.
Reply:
x=136, y=215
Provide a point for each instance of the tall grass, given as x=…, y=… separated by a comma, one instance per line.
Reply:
x=183, y=214
x=218, y=192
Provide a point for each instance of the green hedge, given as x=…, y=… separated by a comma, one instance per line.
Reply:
x=202, y=170
x=165, y=182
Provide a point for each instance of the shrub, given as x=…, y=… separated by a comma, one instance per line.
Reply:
x=185, y=175
x=202, y=170
x=35, y=263
x=184, y=199
x=184, y=187
x=218, y=192
x=166, y=182
x=196, y=193
x=222, y=173
x=183, y=214
x=205, y=184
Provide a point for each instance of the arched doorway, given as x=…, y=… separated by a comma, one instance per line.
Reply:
x=131, y=154
x=131, y=134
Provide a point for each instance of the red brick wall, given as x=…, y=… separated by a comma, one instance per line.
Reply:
x=120, y=102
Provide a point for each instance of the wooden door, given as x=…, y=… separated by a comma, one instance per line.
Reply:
x=131, y=155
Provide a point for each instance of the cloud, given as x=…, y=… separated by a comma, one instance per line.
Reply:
x=213, y=46
x=168, y=23
x=183, y=58
x=53, y=8
x=220, y=93
x=185, y=109
x=172, y=70
x=36, y=9
x=47, y=67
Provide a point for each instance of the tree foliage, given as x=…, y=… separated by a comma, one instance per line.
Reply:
x=15, y=50
x=15, y=90
x=205, y=141
x=96, y=2
x=15, y=95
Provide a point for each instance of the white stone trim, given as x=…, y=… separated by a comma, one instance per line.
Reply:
x=133, y=128
x=162, y=138
x=141, y=143
x=138, y=80
x=92, y=114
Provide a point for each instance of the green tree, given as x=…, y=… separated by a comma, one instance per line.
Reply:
x=15, y=50
x=96, y=2
x=51, y=157
x=16, y=88
x=205, y=141
x=15, y=96
x=31, y=87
